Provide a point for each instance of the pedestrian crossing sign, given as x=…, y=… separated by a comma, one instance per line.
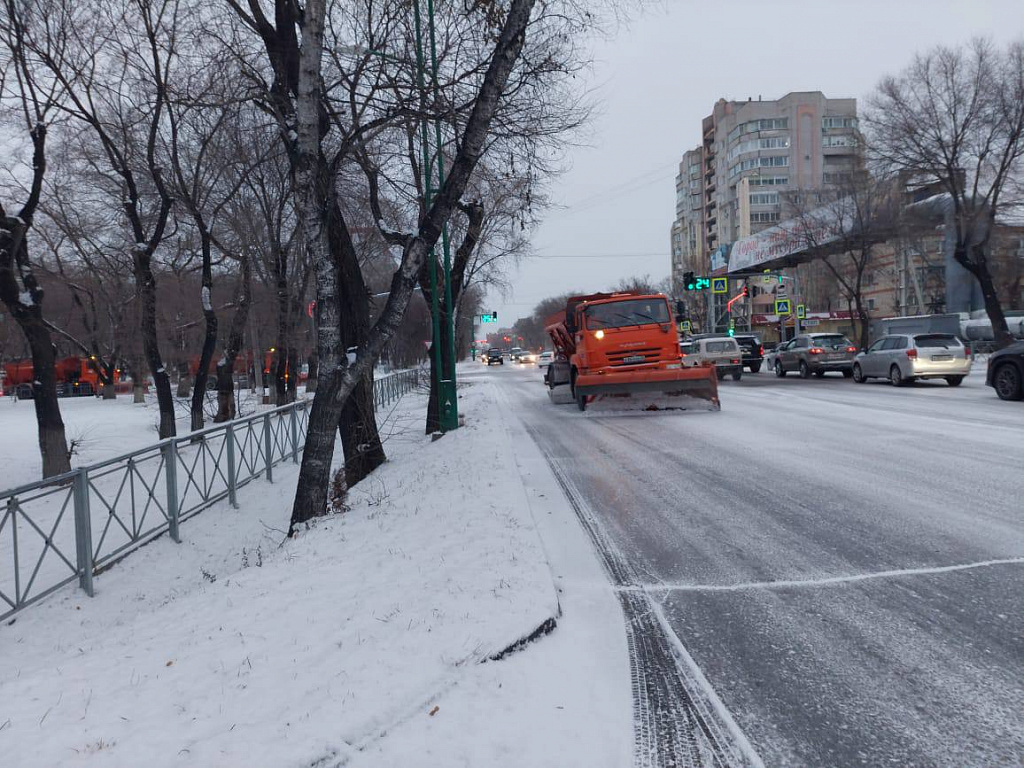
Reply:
x=719, y=284
x=801, y=312
x=684, y=326
x=782, y=307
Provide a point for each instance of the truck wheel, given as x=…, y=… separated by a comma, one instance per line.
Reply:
x=779, y=370
x=805, y=372
x=737, y=376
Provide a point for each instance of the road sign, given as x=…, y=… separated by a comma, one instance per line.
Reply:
x=801, y=311
x=782, y=307
x=719, y=284
x=685, y=326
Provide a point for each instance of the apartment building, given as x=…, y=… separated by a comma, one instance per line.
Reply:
x=752, y=153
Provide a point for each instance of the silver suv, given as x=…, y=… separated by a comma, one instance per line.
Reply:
x=902, y=358
x=816, y=353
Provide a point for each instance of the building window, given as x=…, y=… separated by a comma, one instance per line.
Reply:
x=843, y=140
x=764, y=198
x=759, y=162
x=753, y=126
x=777, y=142
x=871, y=304
x=838, y=122
x=764, y=217
x=769, y=181
x=842, y=177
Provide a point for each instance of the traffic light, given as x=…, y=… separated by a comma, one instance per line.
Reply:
x=689, y=281
x=680, y=309
x=746, y=291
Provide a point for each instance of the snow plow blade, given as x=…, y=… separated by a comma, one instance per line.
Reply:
x=694, y=389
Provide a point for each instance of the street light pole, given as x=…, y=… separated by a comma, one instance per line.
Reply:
x=447, y=400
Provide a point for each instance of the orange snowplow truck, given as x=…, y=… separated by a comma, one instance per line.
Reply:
x=620, y=351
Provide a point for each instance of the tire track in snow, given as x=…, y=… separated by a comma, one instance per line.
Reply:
x=679, y=721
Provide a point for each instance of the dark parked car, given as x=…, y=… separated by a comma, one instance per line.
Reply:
x=816, y=353
x=494, y=356
x=1006, y=372
x=753, y=351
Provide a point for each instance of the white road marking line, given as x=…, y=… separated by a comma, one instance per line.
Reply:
x=711, y=695
x=783, y=584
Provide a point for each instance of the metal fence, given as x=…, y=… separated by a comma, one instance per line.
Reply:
x=71, y=527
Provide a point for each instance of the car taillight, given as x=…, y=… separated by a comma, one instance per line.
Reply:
x=851, y=349
x=760, y=351
x=912, y=354
x=816, y=350
x=735, y=362
x=967, y=351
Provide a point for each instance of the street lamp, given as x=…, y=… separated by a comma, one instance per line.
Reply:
x=448, y=409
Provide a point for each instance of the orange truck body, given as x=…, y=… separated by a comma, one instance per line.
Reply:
x=622, y=350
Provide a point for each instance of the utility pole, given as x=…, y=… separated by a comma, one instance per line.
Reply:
x=448, y=412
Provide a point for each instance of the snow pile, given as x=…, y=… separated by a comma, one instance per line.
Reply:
x=300, y=654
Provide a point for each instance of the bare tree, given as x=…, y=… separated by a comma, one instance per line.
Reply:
x=34, y=98
x=842, y=226
x=956, y=116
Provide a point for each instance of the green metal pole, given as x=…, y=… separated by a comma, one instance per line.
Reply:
x=435, y=314
x=449, y=397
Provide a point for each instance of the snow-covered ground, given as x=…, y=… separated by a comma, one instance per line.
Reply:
x=364, y=641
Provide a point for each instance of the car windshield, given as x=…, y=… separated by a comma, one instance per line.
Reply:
x=833, y=341
x=619, y=314
x=723, y=345
x=939, y=340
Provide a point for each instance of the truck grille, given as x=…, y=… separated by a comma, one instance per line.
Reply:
x=638, y=356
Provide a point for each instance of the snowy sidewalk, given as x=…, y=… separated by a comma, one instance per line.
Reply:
x=364, y=641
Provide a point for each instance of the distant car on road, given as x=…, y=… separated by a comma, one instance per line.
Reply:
x=545, y=358
x=721, y=351
x=902, y=358
x=1006, y=372
x=515, y=353
x=816, y=353
x=753, y=351
x=494, y=356
x=527, y=357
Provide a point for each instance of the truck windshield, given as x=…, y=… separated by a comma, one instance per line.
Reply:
x=618, y=314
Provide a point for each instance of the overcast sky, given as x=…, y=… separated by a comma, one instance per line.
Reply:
x=659, y=77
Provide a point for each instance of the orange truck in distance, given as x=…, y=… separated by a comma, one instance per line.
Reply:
x=620, y=351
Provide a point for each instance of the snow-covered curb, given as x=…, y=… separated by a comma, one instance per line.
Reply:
x=303, y=654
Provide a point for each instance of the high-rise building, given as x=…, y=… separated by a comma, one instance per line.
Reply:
x=752, y=156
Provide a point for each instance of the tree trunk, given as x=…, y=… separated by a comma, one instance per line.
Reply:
x=205, y=358
x=979, y=268
x=28, y=313
x=236, y=334
x=53, y=444
x=146, y=283
x=358, y=429
x=184, y=380
x=311, y=376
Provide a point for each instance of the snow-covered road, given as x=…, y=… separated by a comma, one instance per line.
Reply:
x=845, y=563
